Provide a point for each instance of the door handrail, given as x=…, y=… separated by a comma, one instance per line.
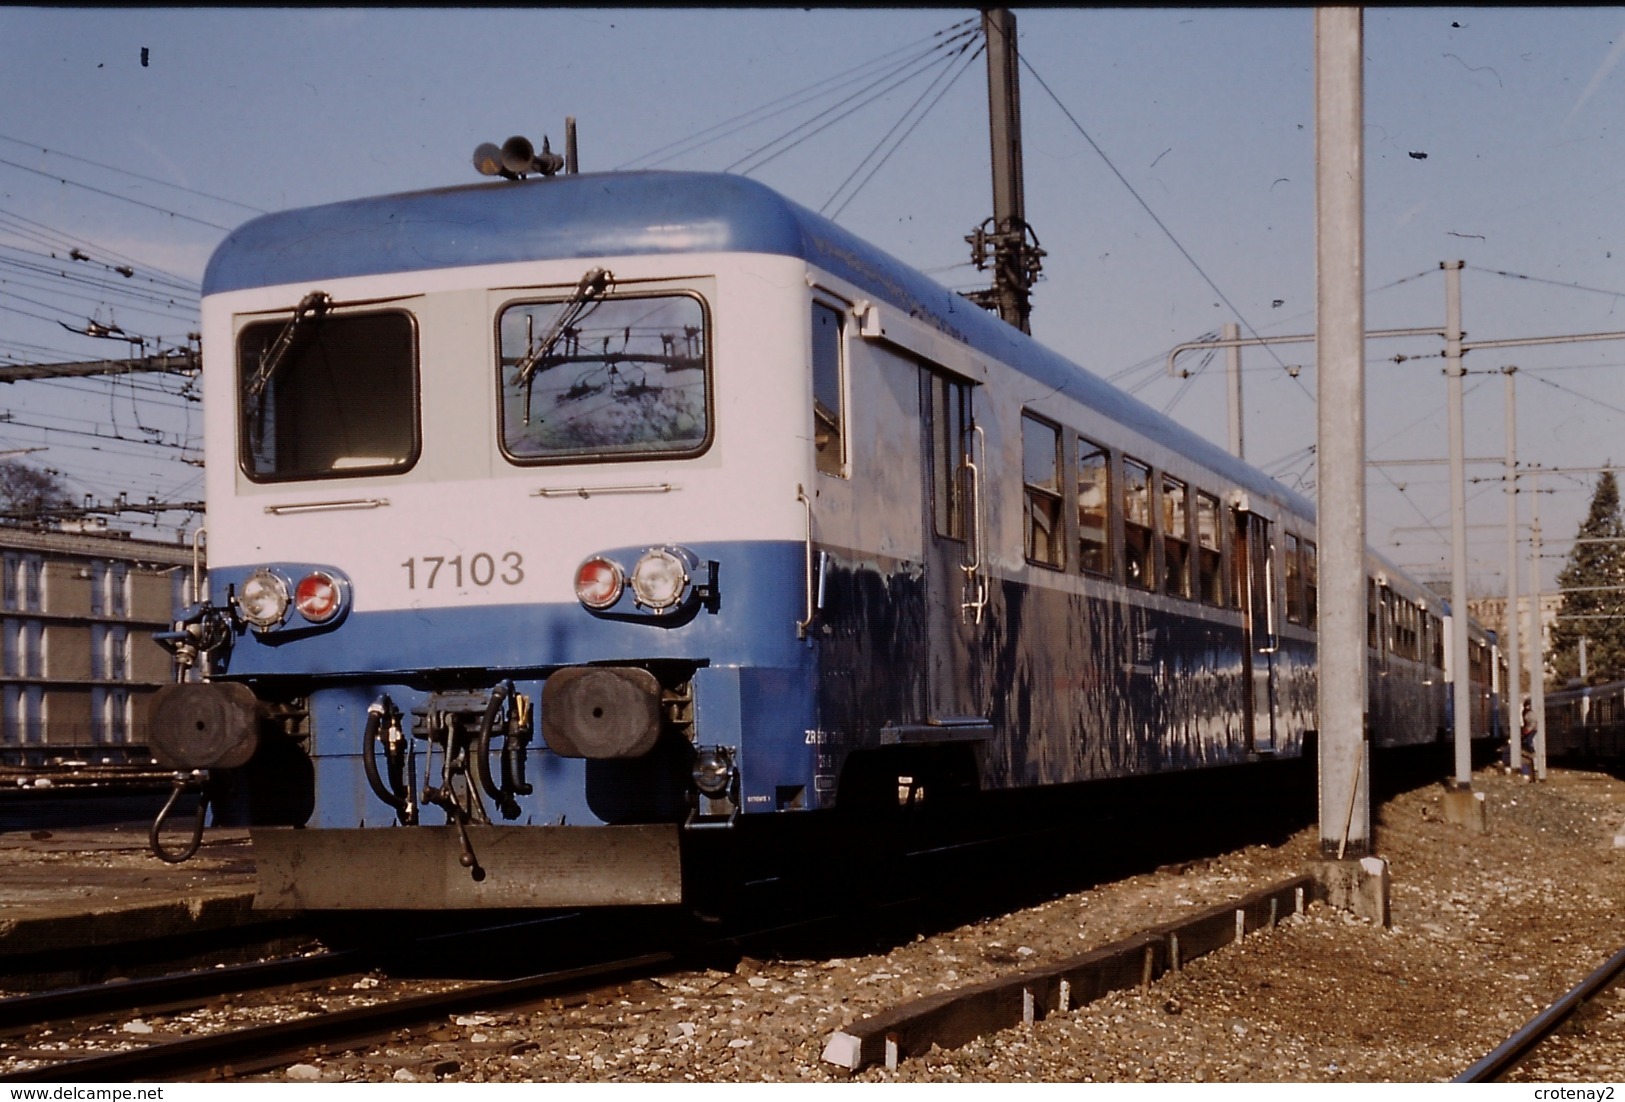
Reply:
x=803, y=625
x=973, y=569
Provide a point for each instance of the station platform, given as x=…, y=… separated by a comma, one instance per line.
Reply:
x=76, y=872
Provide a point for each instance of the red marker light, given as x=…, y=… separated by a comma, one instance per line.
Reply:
x=317, y=597
x=599, y=582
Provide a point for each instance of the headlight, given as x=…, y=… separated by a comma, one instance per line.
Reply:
x=713, y=770
x=599, y=582
x=660, y=579
x=263, y=600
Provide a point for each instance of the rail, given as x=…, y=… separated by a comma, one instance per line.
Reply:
x=256, y=1048
x=1518, y=1047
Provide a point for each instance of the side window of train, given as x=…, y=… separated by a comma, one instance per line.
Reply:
x=331, y=395
x=1209, y=559
x=1176, y=537
x=1372, y=632
x=1137, y=565
x=1041, y=478
x=1238, y=557
x=1294, y=580
x=950, y=419
x=829, y=410
x=623, y=377
x=1094, y=507
x=1311, y=585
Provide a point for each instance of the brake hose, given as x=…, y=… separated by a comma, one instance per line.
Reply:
x=183, y=781
x=377, y=713
x=481, y=763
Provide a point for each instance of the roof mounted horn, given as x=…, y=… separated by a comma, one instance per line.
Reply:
x=516, y=158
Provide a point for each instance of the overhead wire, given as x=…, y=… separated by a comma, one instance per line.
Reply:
x=840, y=110
x=1161, y=225
x=791, y=100
x=1549, y=282
x=947, y=85
x=128, y=172
x=38, y=231
x=1590, y=399
x=115, y=195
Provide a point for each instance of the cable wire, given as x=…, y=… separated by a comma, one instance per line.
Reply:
x=750, y=118
x=953, y=78
x=760, y=158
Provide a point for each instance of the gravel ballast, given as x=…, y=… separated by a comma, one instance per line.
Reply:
x=1486, y=930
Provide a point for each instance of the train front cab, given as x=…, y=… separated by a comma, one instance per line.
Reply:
x=519, y=683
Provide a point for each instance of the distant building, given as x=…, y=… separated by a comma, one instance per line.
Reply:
x=77, y=658
x=1491, y=612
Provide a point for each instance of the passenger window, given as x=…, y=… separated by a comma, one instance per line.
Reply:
x=829, y=420
x=1294, y=581
x=1208, y=556
x=1176, y=537
x=1094, y=507
x=950, y=417
x=328, y=395
x=1041, y=473
x=1311, y=585
x=1137, y=569
x=1372, y=635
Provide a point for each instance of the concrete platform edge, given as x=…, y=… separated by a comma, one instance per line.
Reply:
x=952, y=1018
x=195, y=912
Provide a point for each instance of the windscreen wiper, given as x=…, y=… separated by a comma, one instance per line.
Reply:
x=313, y=307
x=592, y=289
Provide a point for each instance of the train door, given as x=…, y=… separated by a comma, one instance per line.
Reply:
x=956, y=591
x=1255, y=560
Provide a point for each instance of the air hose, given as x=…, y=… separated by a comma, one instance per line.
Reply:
x=395, y=794
x=512, y=761
x=183, y=782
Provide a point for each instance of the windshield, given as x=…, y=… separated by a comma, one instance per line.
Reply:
x=328, y=395
x=623, y=376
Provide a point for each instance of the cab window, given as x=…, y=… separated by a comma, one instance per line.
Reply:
x=328, y=395
x=829, y=417
x=620, y=377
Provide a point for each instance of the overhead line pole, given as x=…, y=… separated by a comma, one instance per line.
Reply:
x=1003, y=238
x=1232, y=373
x=1461, y=684
x=1514, y=651
x=1345, y=800
x=1537, y=638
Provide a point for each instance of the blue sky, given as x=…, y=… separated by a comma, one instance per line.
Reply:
x=1206, y=114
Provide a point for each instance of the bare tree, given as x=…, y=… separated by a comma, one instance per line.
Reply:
x=29, y=494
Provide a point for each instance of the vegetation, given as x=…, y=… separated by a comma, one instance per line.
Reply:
x=1593, y=602
x=30, y=494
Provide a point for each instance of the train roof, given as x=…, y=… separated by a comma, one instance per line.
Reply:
x=618, y=214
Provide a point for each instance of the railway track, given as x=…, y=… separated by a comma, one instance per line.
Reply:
x=236, y=1052
x=925, y=887
x=1527, y=1039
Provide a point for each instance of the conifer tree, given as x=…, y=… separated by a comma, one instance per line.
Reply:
x=1590, y=610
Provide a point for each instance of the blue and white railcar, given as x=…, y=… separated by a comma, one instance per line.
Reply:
x=552, y=520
